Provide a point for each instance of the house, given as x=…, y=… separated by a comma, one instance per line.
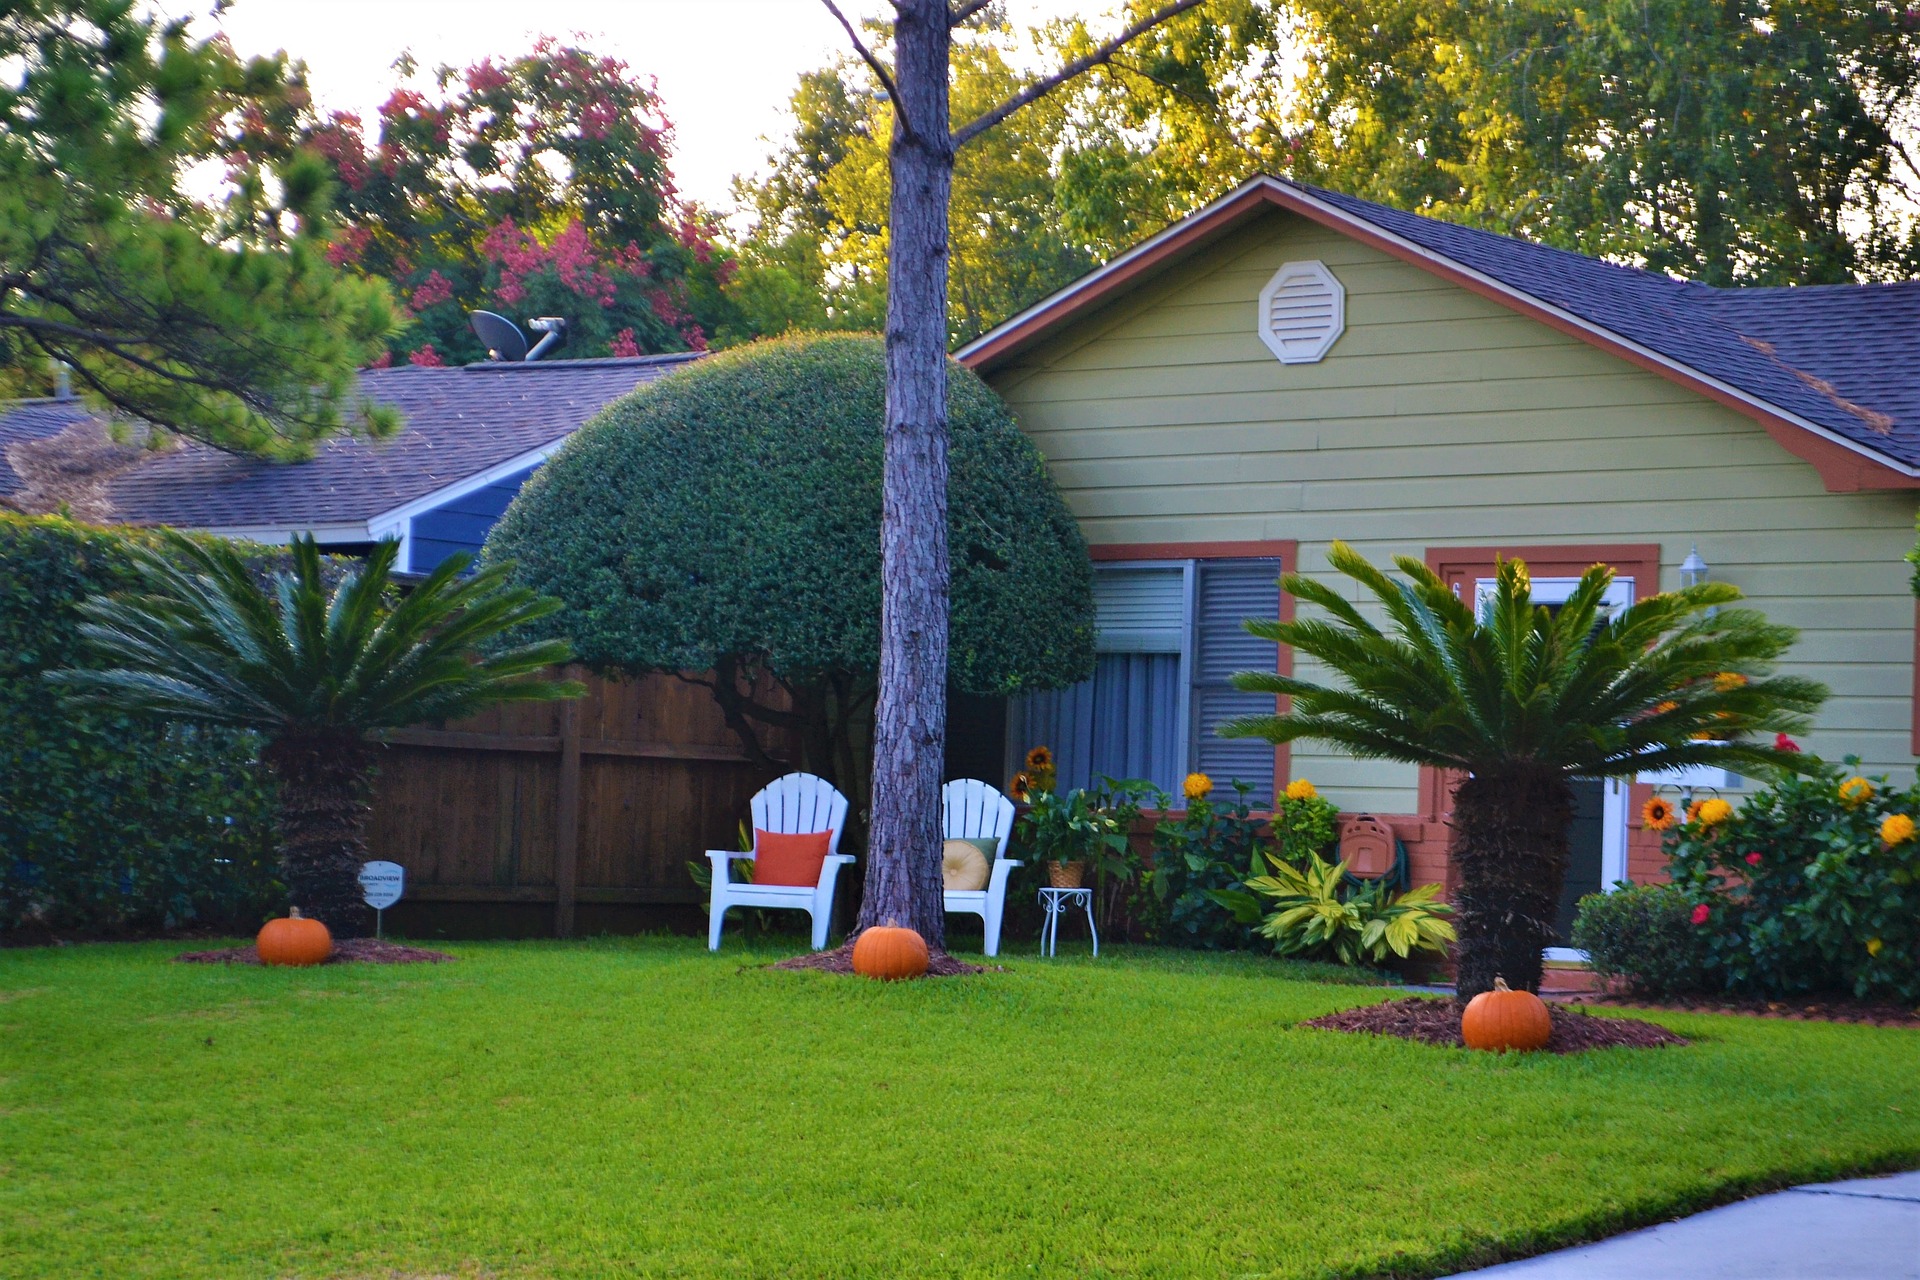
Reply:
x=1291, y=366
x=473, y=434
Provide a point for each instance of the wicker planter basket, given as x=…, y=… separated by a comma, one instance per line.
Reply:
x=1066, y=875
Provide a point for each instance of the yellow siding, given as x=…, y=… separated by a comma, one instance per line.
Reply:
x=1441, y=418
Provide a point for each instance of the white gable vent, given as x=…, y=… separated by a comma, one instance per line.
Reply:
x=1303, y=310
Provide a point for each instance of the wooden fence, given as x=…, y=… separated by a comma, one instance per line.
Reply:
x=550, y=818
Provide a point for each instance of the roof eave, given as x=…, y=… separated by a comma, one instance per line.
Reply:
x=1844, y=465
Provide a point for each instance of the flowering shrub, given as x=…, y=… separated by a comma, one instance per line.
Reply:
x=1648, y=935
x=1812, y=885
x=1213, y=846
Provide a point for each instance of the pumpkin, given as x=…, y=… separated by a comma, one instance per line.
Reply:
x=888, y=952
x=1503, y=1019
x=295, y=940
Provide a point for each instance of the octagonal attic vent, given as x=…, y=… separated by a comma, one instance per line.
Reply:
x=1303, y=310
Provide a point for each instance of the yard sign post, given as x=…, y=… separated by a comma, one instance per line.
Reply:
x=381, y=884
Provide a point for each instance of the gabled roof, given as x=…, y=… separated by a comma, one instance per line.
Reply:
x=460, y=422
x=1825, y=369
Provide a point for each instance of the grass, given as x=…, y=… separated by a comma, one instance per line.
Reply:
x=636, y=1107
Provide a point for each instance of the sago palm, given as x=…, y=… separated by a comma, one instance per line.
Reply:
x=1519, y=702
x=317, y=667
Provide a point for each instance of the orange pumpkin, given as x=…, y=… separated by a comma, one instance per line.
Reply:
x=888, y=952
x=295, y=940
x=1503, y=1019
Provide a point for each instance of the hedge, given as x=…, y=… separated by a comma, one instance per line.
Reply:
x=109, y=823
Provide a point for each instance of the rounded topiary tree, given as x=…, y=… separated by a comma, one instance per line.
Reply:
x=724, y=524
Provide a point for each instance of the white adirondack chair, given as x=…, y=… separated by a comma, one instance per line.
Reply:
x=972, y=810
x=796, y=804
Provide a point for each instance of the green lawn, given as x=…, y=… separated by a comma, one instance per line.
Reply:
x=637, y=1107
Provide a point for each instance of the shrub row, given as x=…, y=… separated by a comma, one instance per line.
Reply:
x=112, y=823
x=1812, y=884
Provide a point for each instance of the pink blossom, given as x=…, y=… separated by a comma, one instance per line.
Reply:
x=350, y=245
x=622, y=343
x=1753, y=859
x=1702, y=913
x=1781, y=742
x=426, y=357
x=434, y=290
x=381, y=361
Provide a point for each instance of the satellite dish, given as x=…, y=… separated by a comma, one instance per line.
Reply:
x=502, y=336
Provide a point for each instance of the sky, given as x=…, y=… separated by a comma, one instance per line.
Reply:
x=725, y=68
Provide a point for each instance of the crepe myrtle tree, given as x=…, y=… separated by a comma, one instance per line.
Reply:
x=724, y=524
x=1520, y=699
x=903, y=882
x=317, y=659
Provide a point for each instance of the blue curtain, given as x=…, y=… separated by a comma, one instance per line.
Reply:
x=1123, y=723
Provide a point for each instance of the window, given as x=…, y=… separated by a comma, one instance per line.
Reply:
x=1169, y=642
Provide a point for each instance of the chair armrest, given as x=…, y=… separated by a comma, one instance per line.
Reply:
x=719, y=857
x=997, y=878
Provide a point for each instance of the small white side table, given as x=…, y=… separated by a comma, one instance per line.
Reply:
x=1055, y=901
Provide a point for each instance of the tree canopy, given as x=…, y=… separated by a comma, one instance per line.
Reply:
x=220, y=319
x=1743, y=143
x=728, y=518
x=535, y=185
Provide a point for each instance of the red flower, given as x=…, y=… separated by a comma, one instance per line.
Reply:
x=426, y=357
x=1782, y=742
x=1753, y=859
x=1702, y=913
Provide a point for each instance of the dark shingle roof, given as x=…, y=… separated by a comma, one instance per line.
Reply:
x=1836, y=355
x=459, y=422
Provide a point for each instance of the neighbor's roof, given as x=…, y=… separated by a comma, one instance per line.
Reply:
x=460, y=422
x=1828, y=369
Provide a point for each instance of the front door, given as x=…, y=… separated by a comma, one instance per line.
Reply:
x=1597, y=837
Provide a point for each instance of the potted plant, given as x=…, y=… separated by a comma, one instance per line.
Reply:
x=1066, y=832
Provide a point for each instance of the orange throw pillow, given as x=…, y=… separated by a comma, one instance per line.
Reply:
x=782, y=859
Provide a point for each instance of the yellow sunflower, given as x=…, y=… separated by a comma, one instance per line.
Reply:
x=1658, y=815
x=1714, y=812
x=1301, y=789
x=1019, y=786
x=1855, y=791
x=1039, y=758
x=1198, y=786
x=1896, y=828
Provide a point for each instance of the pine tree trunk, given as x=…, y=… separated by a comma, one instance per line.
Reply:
x=1510, y=849
x=324, y=783
x=903, y=882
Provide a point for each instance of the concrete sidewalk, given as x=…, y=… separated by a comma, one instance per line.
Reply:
x=1867, y=1229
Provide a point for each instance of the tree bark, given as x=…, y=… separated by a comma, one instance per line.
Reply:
x=324, y=782
x=903, y=882
x=1510, y=848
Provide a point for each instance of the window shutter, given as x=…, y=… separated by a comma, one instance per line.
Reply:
x=1140, y=610
x=1228, y=593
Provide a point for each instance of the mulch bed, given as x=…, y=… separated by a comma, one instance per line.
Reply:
x=840, y=960
x=1802, y=1009
x=1437, y=1022
x=346, y=951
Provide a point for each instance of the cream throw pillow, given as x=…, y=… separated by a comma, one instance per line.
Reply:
x=963, y=866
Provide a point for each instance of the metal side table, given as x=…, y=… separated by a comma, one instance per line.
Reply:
x=1054, y=902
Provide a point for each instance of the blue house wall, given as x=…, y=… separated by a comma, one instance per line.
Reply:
x=462, y=523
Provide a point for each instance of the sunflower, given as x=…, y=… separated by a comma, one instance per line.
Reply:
x=1019, y=786
x=1855, y=791
x=1301, y=789
x=1714, y=812
x=1693, y=810
x=1039, y=758
x=1658, y=815
x=1197, y=786
x=1728, y=681
x=1896, y=828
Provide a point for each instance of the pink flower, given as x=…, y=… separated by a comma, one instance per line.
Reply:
x=1753, y=859
x=622, y=343
x=427, y=358
x=382, y=360
x=434, y=289
x=1702, y=913
x=1782, y=742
